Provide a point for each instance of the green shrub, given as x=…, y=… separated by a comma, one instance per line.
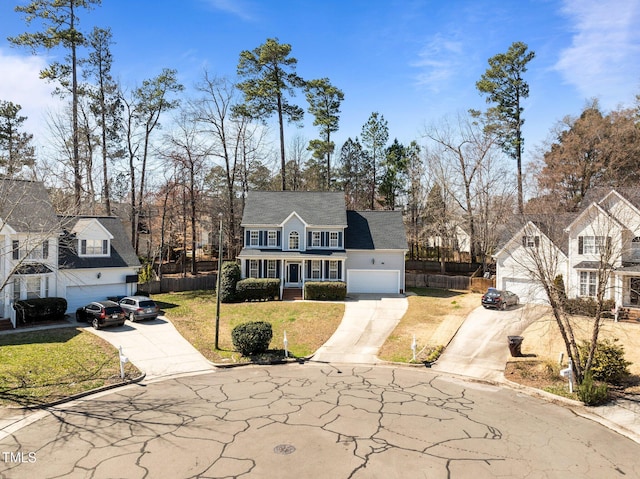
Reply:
x=252, y=338
x=608, y=363
x=591, y=393
x=587, y=306
x=40, y=309
x=325, y=290
x=558, y=284
x=257, y=289
x=230, y=275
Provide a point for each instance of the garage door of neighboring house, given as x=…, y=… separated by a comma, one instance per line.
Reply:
x=527, y=290
x=81, y=295
x=373, y=281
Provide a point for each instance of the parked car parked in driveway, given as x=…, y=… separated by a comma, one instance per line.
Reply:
x=101, y=313
x=139, y=307
x=495, y=298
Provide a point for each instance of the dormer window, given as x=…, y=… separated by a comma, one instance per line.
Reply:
x=94, y=247
x=254, y=238
x=333, y=239
x=316, y=239
x=294, y=240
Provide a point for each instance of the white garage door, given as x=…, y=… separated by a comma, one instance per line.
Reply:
x=373, y=281
x=80, y=295
x=527, y=291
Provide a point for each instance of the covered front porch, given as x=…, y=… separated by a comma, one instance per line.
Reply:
x=294, y=269
x=627, y=292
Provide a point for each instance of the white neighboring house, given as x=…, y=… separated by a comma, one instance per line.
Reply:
x=42, y=255
x=300, y=236
x=96, y=261
x=609, y=222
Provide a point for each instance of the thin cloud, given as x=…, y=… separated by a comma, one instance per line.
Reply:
x=21, y=84
x=602, y=60
x=437, y=62
x=240, y=8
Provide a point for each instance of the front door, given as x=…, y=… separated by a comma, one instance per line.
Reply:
x=294, y=273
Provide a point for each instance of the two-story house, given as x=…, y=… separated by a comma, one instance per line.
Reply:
x=42, y=255
x=604, y=236
x=310, y=236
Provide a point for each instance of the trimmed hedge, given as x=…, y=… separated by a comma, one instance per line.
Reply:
x=254, y=289
x=588, y=306
x=252, y=338
x=325, y=290
x=40, y=309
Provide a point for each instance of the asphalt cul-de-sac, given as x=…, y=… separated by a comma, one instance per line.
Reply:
x=316, y=420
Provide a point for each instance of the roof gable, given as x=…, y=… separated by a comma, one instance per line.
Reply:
x=533, y=228
x=273, y=208
x=90, y=228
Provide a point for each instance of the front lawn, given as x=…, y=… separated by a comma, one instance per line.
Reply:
x=434, y=316
x=43, y=366
x=308, y=324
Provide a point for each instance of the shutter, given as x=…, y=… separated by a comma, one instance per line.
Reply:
x=247, y=237
x=246, y=268
x=309, y=240
x=326, y=269
x=279, y=240
x=536, y=240
x=524, y=241
x=340, y=270
x=45, y=249
x=83, y=246
x=261, y=241
x=308, y=269
x=15, y=244
x=580, y=245
x=340, y=239
x=325, y=239
x=105, y=247
x=278, y=268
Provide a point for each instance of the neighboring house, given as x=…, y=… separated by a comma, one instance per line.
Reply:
x=310, y=236
x=43, y=255
x=605, y=231
x=96, y=260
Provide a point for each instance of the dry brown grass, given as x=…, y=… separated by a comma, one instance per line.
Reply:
x=543, y=339
x=434, y=316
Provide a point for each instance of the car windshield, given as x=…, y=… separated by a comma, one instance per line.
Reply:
x=147, y=304
x=493, y=294
x=113, y=310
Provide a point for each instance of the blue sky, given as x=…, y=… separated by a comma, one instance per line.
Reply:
x=412, y=61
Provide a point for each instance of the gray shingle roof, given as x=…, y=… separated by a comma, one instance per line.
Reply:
x=315, y=208
x=122, y=253
x=375, y=230
x=25, y=206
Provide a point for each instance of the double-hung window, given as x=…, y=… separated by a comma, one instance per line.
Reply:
x=333, y=269
x=316, y=239
x=333, y=239
x=588, y=283
x=94, y=247
x=272, y=238
x=271, y=268
x=592, y=244
x=254, y=238
x=253, y=268
x=316, y=269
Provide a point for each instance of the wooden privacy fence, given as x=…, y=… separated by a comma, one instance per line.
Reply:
x=179, y=284
x=442, y=281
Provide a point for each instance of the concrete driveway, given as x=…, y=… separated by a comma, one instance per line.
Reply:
x=155, y=347
x=480, y=347
x=368, y=320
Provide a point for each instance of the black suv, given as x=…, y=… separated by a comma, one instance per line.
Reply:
x=101, y=313
x=495, y=298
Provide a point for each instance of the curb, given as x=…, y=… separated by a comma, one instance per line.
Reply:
x=82, y=394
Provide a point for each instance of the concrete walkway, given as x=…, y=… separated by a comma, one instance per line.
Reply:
x=155, y=347
x=368, y=320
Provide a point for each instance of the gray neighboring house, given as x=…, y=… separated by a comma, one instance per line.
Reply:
x=300, y=236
